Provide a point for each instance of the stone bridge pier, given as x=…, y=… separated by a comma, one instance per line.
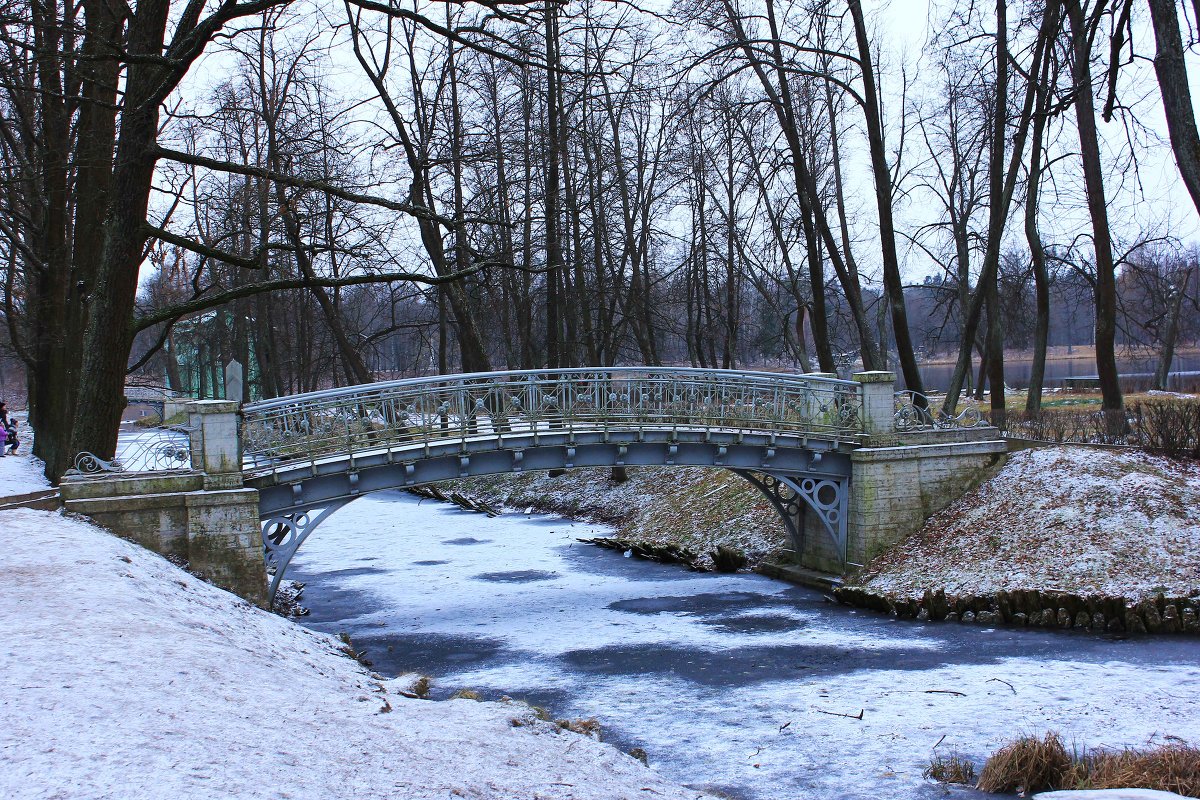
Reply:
x=901, y=474
x=202, y=516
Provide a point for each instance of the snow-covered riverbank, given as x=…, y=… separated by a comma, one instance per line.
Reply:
x=689, y=507
x=124, y=677
x=1067, y=519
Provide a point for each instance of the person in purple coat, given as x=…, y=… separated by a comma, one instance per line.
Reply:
x=8, y=427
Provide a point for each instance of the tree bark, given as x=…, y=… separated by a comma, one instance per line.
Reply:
x=1171, y=70
x=109, y=333
x=1093, y=176
x=893, y=285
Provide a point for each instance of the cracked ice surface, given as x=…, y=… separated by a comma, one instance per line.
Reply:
x=729, y=682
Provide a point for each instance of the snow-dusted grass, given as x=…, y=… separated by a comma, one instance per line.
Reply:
x=691, y=507
x=1074, y=519
x=124, y=677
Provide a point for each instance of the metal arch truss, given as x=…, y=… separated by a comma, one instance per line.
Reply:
x=827, y=496
x=282, y=536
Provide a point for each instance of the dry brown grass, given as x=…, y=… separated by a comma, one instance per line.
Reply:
x=950, y=768
x=1030, y=765
x=1170, y=768
x=1027, y=765
x=587, y=727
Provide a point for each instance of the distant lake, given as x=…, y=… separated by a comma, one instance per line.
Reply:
x=1016, y=373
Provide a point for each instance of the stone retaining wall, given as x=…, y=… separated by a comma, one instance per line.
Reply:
x=1033, y=608
x=203, y=516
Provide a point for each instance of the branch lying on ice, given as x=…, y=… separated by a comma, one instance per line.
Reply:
x=859, y=715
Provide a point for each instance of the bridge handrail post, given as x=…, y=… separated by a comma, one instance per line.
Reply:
x=878, y=389
x=215, y=442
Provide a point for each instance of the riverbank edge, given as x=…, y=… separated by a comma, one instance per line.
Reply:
x=1095, y=613
x=689, y=509
x=1034, y=608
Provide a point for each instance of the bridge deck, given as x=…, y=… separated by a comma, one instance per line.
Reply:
x=616, y=403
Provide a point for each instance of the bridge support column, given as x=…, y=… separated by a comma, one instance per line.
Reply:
x=215, y=444
x=878, y=403
x=814, y=510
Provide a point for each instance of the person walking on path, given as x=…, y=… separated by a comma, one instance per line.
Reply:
x=8, y=432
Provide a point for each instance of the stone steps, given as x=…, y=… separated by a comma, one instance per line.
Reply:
x=44, y=500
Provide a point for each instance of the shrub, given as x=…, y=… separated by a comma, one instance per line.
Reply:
x=1167, y=426
x=1170, y=427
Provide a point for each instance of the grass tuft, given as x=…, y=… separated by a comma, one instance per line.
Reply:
x=588, y=727
x=1170, y=768
x=1027, y=765
x=950, y=768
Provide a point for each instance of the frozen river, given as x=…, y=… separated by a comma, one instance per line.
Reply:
x=731, y=683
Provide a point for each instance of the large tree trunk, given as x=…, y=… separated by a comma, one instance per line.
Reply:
x=49, y=396
x=998, y=211
x=109, y=334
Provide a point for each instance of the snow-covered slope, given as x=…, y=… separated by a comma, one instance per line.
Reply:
x=1073, y=519
x=22, y=474
x=122, y=676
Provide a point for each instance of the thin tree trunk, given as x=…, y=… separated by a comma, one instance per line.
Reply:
x=1093, y=176
x=893, y=285
x=1163, y=373
x=1037, y=252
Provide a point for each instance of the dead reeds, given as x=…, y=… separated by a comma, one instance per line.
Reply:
x=1169, y=768
x=1027, y=765
x=1030, y=764
x=950, y=768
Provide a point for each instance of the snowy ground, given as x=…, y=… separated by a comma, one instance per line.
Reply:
x=730, y=683
x=22, y=473
x=124, y=677
x=1075, y=519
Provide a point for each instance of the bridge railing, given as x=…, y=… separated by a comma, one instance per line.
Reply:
x=441, y=409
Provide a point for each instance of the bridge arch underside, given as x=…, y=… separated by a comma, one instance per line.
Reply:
x=798, y=475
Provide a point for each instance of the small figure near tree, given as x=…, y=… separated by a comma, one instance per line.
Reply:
x=8, y=427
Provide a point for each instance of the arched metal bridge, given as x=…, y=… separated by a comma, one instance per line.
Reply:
x=789, y=434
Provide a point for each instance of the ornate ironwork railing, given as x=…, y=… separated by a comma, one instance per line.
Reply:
x=154, y=449
x=916, y=412
x=441, y=409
